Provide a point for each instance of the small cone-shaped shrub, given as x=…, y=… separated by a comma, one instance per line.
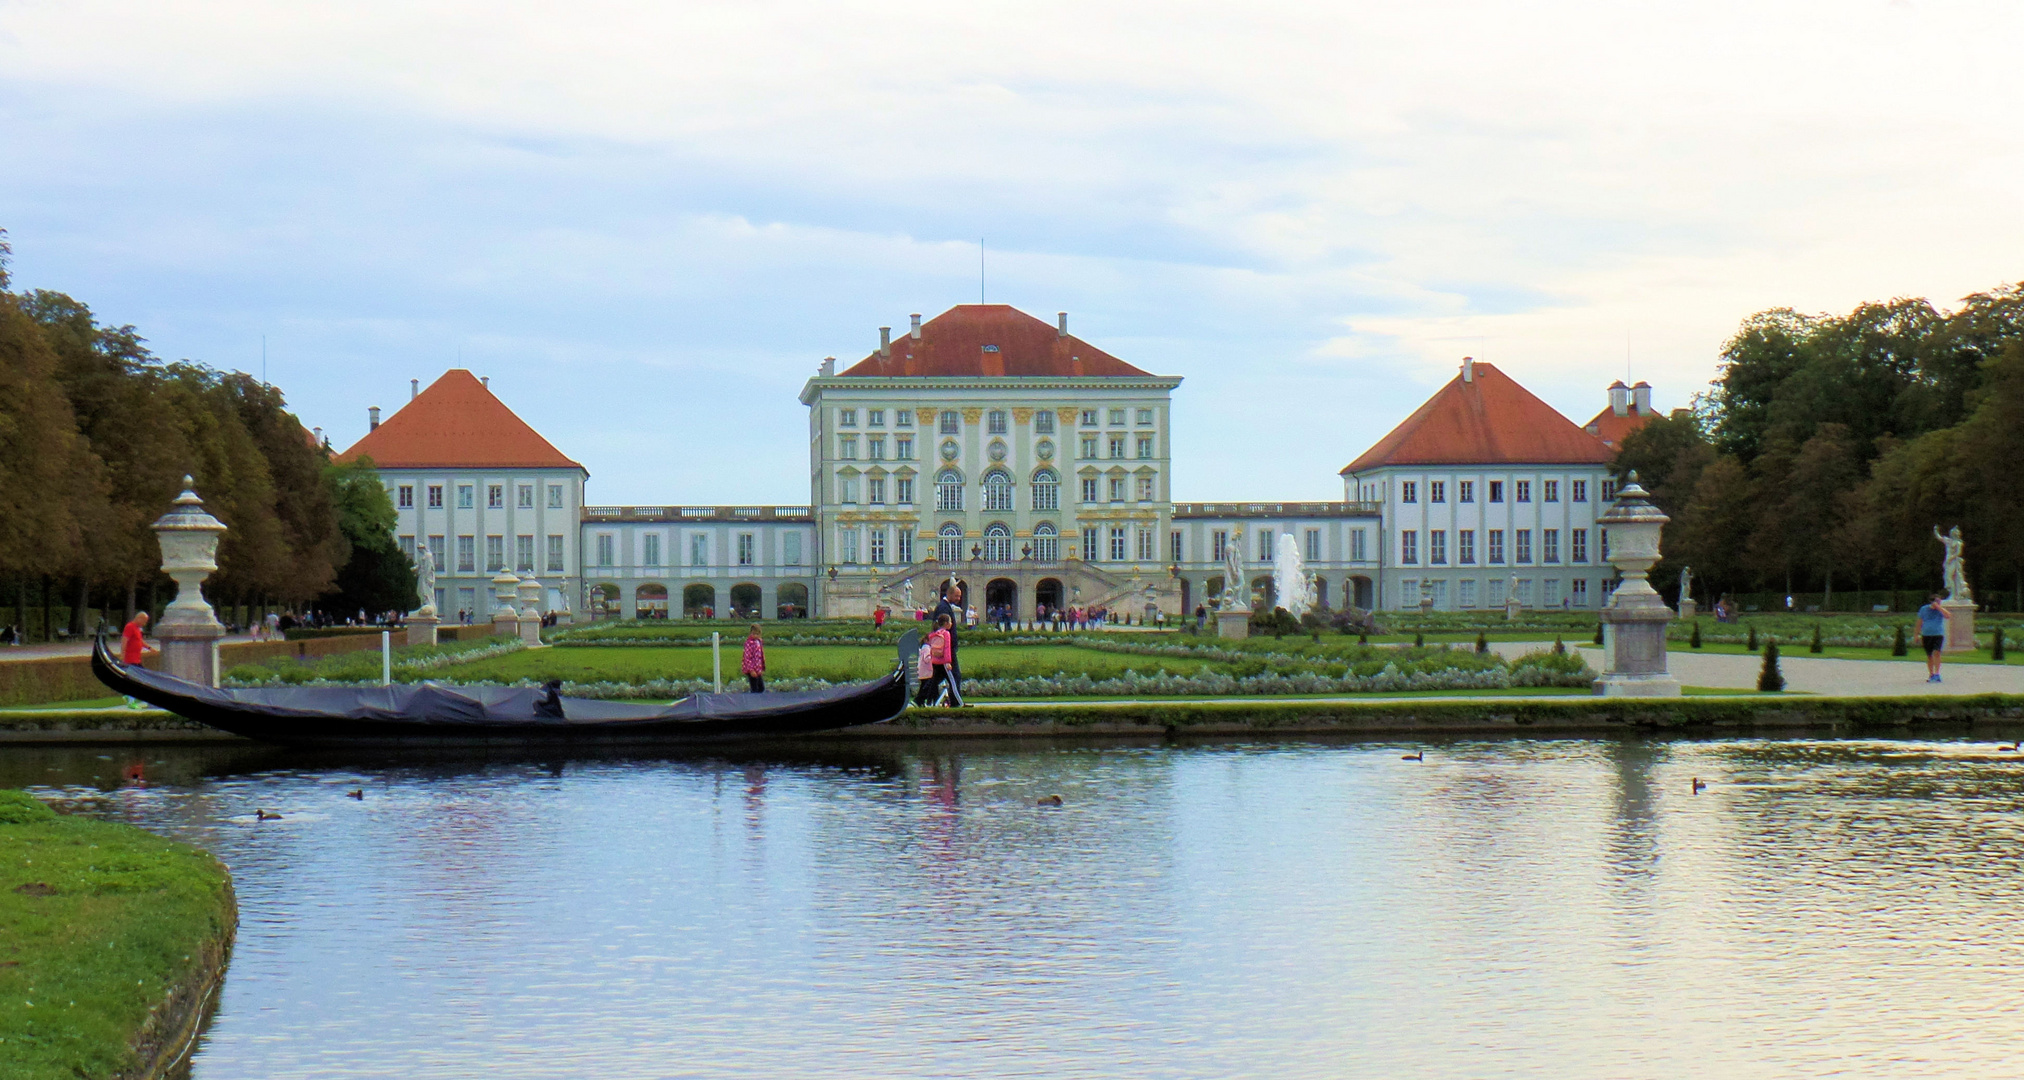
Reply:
x=1559, y=647
x=1752, y=646
x=1770, y=680
x=1996, y=646
x=1694, y=642
x=1419, y=640
x=1363, y=639
x=1814, y=647
x=1598, y=633
x=1897, y=646
x=1483, y=643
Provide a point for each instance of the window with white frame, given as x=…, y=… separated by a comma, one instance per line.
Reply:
x=1579, y=587
x=1089, y=418
x=1357, y=546
x=439, y=553
x=1437, y=547
x=464, y=496
x=495, y=496
x=949, y=543
x=875, y=490
x=1465, y=491
x=524, y=496
x=650, y=549
x=1409, y=491
x=1219, y=545
x=951, y=422
x=1046, y=490
x=1089, y=489
x=878, y=546
x=1496, y=491
x=1549, y=546
x=1578, y=492
x=1550, y=489
x=876, y=447
x=1313, y=545
x=555, y=553
x=1145, y=417
x=1437, y=491
x=1496, y=545
x=846, y=488
x=997, y=542
x=997, y=491
x=1266, y=540
x=875, y=418
x=949, y=490
x=1145, y=489
x=1089, y=544
x=903, y=418
x=467, y=554
x=1046, y=543
x=1465, y=593
x=847, y=447
x=523, y=554
x=1088, y=447
x=748, y=547
x=555, y=497
x=435, y=496
x=1174, y=546
x=1523, y=539
x=903, y=490
x=699, y=549
x=1148, y=544
x=495, y=553
x=847, y=544
x=1117, y=418
x=1145, y=446
x=1409, y=546
x=407, y=497
x=1117, y=489
x=1117, y=446
x=1465, y=547
x=1577, y=545
x=995, y=422
x=903, y=448
x=1043, y=422
x=1523, y=492
x=906, y=544
x=1117, y=543
x=846, y=418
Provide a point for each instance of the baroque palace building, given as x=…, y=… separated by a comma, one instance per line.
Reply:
x=990, y=447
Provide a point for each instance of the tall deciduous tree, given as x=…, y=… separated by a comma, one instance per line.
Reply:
x=376, y=576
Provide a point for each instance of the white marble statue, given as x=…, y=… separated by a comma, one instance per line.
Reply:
x=1236, y=592
x=1952, y=570
x=1686, y=583
x=425, y=581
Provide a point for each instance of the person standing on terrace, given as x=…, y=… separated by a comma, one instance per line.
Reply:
x=754, y=665
x=1933, y=620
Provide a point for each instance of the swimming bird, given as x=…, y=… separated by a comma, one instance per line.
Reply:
x=266, y=815
x=1700, y=785
x=1049, y=800
x=2012, y=746
x=355, y=793
x=1417, y=755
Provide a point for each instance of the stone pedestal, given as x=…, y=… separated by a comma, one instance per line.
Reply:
x=1634, y=652
x=422, y=629
x=190, y=651
x=1234, y=625
x=1688, y=609
x=1513, y=610
x=530, y=610
x=1960, y=628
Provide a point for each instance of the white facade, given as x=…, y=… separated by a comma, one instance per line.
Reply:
x=732, y=561
x=1339, y=543
x=478, y=522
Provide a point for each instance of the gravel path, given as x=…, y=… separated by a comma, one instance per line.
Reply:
x=1893, y=677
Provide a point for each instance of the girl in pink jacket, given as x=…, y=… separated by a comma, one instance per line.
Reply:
x=754, y=666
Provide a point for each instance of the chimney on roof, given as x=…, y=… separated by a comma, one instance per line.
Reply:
x=915, y=333
x=486, y=381
x=374, y=418
x=1061, y=324
x=1619, y=398
x=1468, y=369
x=318, y=432
x=827, y=369
x=414, y=389
x=1641, y=398
x=885, y=342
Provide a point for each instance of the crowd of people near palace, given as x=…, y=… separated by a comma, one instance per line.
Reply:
x=1005, y=617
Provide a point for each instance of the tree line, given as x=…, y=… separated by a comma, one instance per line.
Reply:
x=96, y=434
x=1830, y=446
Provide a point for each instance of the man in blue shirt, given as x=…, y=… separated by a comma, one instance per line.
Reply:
x=1933, y=620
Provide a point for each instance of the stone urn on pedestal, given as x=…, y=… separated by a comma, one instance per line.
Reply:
x=505, y=590
x=189, y=630
x=1634, y=621
x=530, y=610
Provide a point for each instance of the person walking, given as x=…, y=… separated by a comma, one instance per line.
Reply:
x=1201, y=616
x=952, y=606
x=1933, y=622
x=939, y=655
x=133, y=648
x=754, y=665
x=878, y=617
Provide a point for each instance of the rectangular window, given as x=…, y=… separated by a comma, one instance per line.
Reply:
x=1580, y=492
x=1523, y=592
x=407, y=542
x=748, y=545
x=903, y=448
x=906, y=545
x=407, y=497
x=1046, y=494
x=1089, y=543
x=464, y=496
x=1493, y=592
x=848, y=485
x=1088, y=447
x=699, y=549
x=1437, y=590
x=790, y=549
x=878, y=547
x=1524, y=492
x=1117, y=446
x=1496, y=545
x=1524, y=538
x=995, y=422
x=555, y=496
x=1551, y=490
x=1549, y=546
x=525, y=496
x=1409, y=491
x=1465, y=491
x=495, y=553
x=1148, y=546
x=1437, y=491
x=435, y=496
x=1551, y=590
x=1579, y=586
x=1465, y=547
x=1043, y=423
x=554, y=553
x=847, y=447
x=1267, y=545
x=1117, y=543
x=1437, y=547
x=1465, y=593
x=876, y=445
x=1174, y=547
x=607, y=554
x=1496, y=491
x=1089, y=418
x=523, y=554
x=1145, y=417
x=952, y=424
x=1219, y=543
x=1145, y=489
x=1409, y=546
x=1356, y=546
x=1608, y=490
x=903, y=418
x=875, y=418
x=1145, y=446
x=495, y=496
x=1577, y=545
x=1089, y=489
x=1117, y=418
x=875, y=488
x=650, y=549
x=846, y=418
x=903, y=488
x=439, y=552
x=848, y=544
x=1117, y=489
x=1314, y=545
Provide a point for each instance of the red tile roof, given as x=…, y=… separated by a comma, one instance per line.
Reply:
x=1488, y=420
x=1611, y=428
x=457, y=423
x=990, y=340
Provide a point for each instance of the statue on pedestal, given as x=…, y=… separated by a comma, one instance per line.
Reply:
x=425, y=580
x=1952, y=569
x=1686, y=583
x=1236, y=592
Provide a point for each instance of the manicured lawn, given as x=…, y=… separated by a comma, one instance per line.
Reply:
x=1796, y=650
x=113, y=702
x=833, y=662
x=97, y=922
x=1515, y=691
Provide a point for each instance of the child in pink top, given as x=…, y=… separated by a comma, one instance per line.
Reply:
x=754, y=666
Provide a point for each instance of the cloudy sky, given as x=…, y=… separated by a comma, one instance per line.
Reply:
x=647, y=223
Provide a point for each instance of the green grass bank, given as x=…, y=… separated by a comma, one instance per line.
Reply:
x=112, y=944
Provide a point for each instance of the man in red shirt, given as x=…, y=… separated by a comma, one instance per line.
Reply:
x=133, y=648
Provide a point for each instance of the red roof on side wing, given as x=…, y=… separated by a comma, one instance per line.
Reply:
x=457, y=423
x=1611, y=428
x=990, y=340
x=1489, y=420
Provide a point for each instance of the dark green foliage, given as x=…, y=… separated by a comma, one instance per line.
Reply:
x=1996, y=646
x=1770, y=680
x=1598, y=633
x=1482, y=642
x=1419, y=641
x=1559, y=647
x=1897, y=645
x=1363, y=639
x=1814, y=647
x=376, y=576
x=1752, y=645
x=1695, y=641
x=1277, y=622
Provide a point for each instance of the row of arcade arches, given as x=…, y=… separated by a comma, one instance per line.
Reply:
x=699, y=600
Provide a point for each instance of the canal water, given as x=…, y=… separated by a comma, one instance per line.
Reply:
x=1562, y=909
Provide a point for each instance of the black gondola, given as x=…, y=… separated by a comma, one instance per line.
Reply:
x=444, y=714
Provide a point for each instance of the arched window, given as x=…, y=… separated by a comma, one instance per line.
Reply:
x=1046, y=543
x=997, y=543
x=1046, y=490
x=949, y=543
x=949, y=490
x=997, y=491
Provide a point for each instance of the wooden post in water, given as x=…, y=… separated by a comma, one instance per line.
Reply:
x=716, y=662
